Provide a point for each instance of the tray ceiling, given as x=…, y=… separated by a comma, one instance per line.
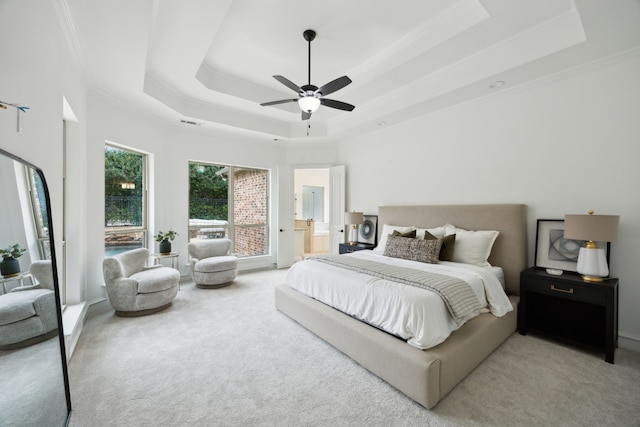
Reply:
x=212, y=62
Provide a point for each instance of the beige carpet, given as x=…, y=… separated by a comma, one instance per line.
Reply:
x=32, y=386
x=227, y=357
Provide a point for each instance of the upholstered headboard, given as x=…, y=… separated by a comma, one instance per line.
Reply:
x=510, y=248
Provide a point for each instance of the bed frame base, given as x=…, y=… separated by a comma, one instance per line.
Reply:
x=425, y=376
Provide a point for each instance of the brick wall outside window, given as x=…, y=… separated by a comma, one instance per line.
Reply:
x=250, y=208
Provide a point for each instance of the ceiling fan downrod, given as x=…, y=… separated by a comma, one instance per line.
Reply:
x=309, y=35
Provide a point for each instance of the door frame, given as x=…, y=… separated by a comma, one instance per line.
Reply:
x=286, y=210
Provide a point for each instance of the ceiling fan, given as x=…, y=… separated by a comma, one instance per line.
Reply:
x=310, y=97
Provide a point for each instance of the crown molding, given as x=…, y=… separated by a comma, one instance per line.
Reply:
x=71, y=36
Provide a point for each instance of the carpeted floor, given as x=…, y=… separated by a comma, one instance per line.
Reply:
x=32, y=389
x=227, y=357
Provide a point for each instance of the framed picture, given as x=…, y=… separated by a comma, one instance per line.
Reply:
x=368, y=230
x=554, y=251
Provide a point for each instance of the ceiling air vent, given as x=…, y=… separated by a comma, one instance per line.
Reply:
x=189, y=122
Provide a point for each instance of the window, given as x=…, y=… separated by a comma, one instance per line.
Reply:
x=125, y=200
x=39, y=208
x=232, y=202
x=312, y=203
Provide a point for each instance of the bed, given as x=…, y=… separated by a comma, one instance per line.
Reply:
x=426, y=376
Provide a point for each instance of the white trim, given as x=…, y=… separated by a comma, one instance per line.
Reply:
x=73, y=320
x=66, y=24
x=629, y=341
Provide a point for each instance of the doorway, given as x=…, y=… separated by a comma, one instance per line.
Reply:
x=312, y=207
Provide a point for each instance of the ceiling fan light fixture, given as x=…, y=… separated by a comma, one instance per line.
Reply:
x=310, y=97
x=309, y=104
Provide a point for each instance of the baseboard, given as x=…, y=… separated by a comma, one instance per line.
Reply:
x=254, y=263
x=629, y=342
x=72, y=323
x=73, y=319
x=249, y=263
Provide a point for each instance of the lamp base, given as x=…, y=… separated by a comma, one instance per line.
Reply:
x=353, y=235
x=592, y=264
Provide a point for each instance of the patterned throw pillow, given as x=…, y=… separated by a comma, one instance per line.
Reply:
x=413, y=249
x=386, y=230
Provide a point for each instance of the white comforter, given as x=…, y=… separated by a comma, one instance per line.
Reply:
x=414, y=314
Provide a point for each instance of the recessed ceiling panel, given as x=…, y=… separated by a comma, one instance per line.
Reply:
x=213, y=61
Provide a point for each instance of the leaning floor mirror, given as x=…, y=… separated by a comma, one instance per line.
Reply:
x=33, y=379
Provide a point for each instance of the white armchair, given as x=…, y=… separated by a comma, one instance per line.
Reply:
x=28, y=313
x=211, y=264
x=135, y=289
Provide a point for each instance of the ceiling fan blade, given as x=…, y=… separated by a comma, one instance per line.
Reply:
x=288, y=83
x=306, y=115
x=337, y=104
x=282, y=101
x=334, y=85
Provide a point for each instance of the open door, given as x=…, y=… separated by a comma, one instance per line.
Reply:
x=285, y=229
x=336, y=211
x=286, y=213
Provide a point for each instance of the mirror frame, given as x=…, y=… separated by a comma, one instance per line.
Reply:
x=54, y=266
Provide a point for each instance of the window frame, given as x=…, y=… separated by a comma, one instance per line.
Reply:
x=232, y=226
x=41, y=230
x=144, y=227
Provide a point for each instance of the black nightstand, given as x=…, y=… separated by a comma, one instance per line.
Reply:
x=568, y=308
x=346, y=248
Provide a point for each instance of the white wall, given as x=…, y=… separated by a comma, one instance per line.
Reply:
x=312, y=154
x=38, y=70
x=564, y=145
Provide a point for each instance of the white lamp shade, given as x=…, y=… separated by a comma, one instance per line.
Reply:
x=309, y=103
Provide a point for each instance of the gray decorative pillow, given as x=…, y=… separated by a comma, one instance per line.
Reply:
x=411, y=233
x=413, y=249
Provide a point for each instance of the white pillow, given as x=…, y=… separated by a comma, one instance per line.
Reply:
x=388, y=229
x=472, y=247
x=435, y=232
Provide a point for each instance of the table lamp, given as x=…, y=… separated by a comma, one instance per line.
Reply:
x=592, y=261
x=353, y=219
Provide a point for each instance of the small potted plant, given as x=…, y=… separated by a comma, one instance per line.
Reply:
x=10, y=266
x=165, y=241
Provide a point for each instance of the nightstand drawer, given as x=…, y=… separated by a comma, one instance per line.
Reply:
x=570, y=290
x=346, y=248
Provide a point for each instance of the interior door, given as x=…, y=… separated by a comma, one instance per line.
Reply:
x=336, y=211
x=286, y=210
